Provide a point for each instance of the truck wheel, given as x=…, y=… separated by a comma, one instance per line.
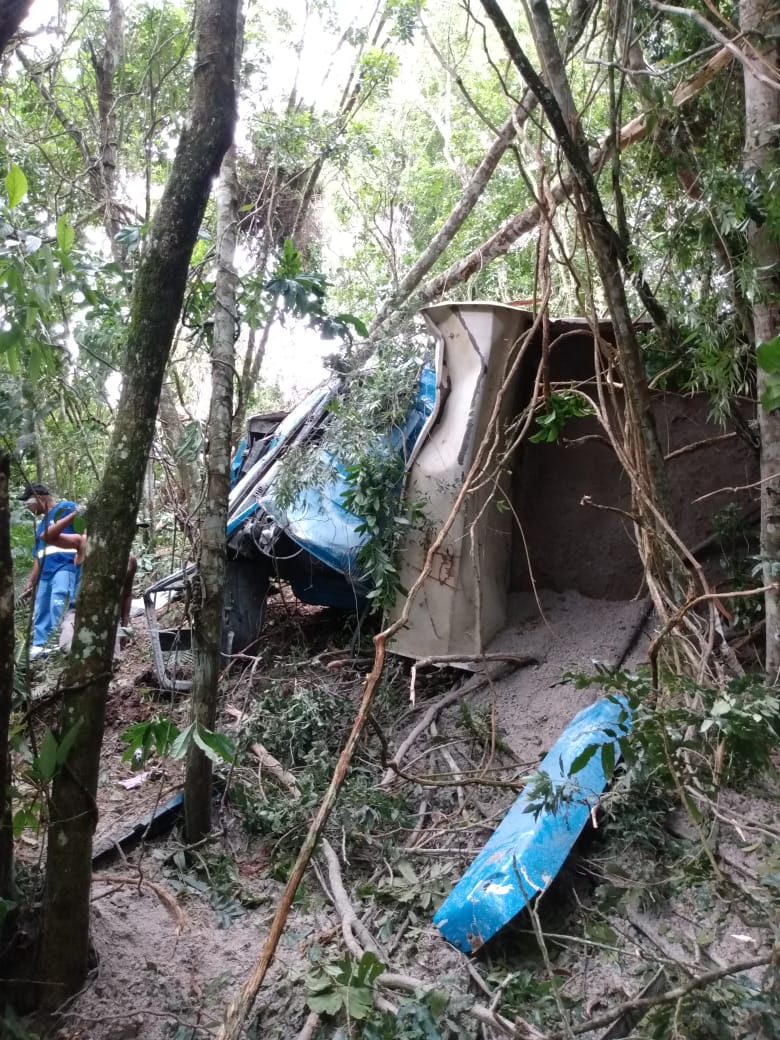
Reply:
x=246, y=589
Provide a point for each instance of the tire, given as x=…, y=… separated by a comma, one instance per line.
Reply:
x=246, y=589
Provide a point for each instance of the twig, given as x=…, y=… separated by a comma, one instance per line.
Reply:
x=442, y=659
x=165, y=897
x=519, y=1029
x=275, y=768
x=679, y=615
x=670, y=996
x=350, y=922
x=455, y=772
x=422, y=812
x=430, y=715
x=695, y=445
x=310, y=1027
x=734, y=490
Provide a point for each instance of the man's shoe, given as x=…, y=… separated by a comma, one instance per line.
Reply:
x=37, y=651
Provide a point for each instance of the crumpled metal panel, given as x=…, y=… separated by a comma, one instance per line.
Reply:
x=526, y=852
x=462, y=602
x=318, y=521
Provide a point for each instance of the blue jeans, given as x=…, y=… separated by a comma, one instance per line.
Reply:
x=54, y=593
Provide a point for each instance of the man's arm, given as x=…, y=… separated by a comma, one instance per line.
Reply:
x=55, y=534
x=32, y=581
x=54, y=531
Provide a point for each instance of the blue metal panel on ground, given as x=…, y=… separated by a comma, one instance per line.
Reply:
x=526, y=852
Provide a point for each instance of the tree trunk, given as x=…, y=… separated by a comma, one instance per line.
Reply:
x=183, y=479
x=760, y=22
x=648, y=472
x=12, y=14
x=156, y=305
x=6, y=679
x=105, y=66
x=208, y=608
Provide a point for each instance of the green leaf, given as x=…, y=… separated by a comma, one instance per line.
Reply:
x=6, y=906
x=183, y=742
x=327, y=1003
x=369, y=968
x=157, y=733
x=358, y=1002
x=66, y=236
x=191, y=443
x=11, y=339
x=768, y=355
x=67, y=743
x=46, y=759
x=216, y=746
x=608, y=758
x=26, y=818
x=15, y=186
x=770, y=396
x=349, y=319
x=583, y=758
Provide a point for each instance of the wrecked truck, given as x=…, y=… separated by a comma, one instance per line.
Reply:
x=314, y=543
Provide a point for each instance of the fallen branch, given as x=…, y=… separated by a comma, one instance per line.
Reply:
x=433, y=713
x=670, y=996
x=351, y=925
x=165, y=897
x=310, y=1027
x=519, y=1029
x=275, y=768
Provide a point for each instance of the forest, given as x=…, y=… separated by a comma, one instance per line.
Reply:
x=210, y=210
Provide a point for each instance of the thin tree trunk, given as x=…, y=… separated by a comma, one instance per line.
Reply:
x=208, y=613
x=188, y=482
x=12, y=14
x=760, y=22
x=245, y=388
x=6, y=678
x=156, y=305
x=351, y=96
x=558, y=104
x=105, y=66
x=251, y=370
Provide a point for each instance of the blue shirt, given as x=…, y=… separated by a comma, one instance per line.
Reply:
x=50, y=557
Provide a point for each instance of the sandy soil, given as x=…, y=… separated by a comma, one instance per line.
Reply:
x=168, y=961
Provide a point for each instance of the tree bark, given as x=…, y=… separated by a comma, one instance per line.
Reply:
x=208, y=612
x=6, y=678
x=556, y=100
x=760, y=22
x=105, y=66
x=156, y=305
x=12, y=14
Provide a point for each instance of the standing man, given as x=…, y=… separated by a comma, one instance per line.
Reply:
x=54, y=571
